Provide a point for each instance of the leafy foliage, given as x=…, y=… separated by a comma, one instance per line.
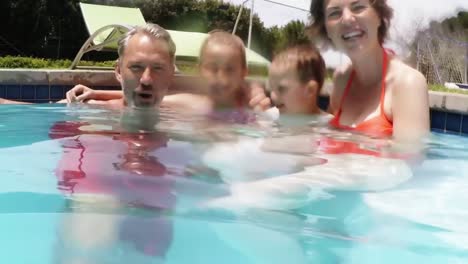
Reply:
x=55, y=28
x=14, y=62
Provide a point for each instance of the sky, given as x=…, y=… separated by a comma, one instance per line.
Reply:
x=406, y=14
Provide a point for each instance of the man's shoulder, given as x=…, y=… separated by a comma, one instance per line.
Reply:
x=113, y=102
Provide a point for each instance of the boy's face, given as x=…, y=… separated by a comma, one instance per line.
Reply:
x=222, y=67
x=289, y=94
x=145, y=71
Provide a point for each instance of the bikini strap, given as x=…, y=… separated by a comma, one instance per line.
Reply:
x=382, y=92
x=345, y=93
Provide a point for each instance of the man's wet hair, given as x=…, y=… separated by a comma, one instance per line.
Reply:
x=152, y=30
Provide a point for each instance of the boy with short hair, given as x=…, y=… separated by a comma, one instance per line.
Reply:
x=296, y=77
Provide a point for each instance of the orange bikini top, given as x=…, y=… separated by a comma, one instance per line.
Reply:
x=380, y=125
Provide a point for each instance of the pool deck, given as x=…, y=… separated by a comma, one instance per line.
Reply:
x=449, y=111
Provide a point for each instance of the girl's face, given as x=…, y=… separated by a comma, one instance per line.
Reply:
x=352, y=25
x=289, y=94
x=222, y=67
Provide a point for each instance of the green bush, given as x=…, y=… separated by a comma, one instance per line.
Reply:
x=12, y=62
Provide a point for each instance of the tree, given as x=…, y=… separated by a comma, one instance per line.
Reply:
x=55, y=28
x=37, y=28
x=185, y=15
x=294, y=33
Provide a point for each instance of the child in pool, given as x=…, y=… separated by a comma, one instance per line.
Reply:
x=296, y=77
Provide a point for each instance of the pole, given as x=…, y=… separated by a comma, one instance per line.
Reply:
x=285, y=5
x=238, y=17
x=466, y=63
x=417, y=54
x=250, y=24
x=434, y=64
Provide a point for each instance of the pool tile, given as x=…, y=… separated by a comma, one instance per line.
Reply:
x=66, y=88
x=28, y=92
x=41, y=101
x=438, y=119
x=453, y=122
x=42, y=92
x=464, y=128
x=438, y=130
x=57, y=92
x=108, y=88
x=13, y=92
x=2, y=91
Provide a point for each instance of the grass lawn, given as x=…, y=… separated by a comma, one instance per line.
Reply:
x=441, y=88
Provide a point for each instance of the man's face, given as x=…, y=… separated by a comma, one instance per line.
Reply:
x=145, y=71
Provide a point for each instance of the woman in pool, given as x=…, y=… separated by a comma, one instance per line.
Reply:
x=376, y=93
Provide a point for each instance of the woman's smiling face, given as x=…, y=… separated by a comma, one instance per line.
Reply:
x=352, y=25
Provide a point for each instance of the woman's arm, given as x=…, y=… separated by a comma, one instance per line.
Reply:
x=5, y=101
x=410, y=107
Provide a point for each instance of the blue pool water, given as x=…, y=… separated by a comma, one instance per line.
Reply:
x=73, y=190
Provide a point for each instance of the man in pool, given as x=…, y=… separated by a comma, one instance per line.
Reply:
x=115, y=169
x=145, y=68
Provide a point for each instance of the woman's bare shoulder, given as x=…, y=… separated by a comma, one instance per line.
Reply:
x=406, y=77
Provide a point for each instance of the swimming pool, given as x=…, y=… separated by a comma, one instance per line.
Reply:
x=208, y=192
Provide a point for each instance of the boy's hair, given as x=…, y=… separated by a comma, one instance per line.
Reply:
x=225, y=38
x=305, y=60
x=149, y=29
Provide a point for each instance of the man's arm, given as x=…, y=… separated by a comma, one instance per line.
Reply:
x=81, y=93
x=5, y=101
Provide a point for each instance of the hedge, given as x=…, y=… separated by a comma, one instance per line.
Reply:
x=12, y=62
